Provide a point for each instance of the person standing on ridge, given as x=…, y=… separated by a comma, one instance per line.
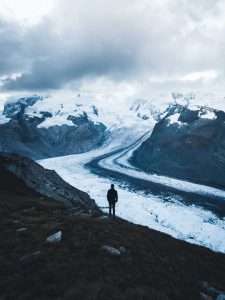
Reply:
x=112, y=197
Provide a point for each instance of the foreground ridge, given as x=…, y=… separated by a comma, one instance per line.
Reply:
x=93, y=256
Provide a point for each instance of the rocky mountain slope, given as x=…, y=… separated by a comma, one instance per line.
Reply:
x=94, y=258
x=188, y=142
x=46, y=182
x=36, y=134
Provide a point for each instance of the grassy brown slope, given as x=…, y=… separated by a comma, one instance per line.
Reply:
x=156, y=266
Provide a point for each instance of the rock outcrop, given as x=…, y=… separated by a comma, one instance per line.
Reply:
x=45, y=182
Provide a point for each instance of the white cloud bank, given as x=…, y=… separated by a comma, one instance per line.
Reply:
x=146, y=45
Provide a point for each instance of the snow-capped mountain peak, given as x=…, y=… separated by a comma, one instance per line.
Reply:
x=58, y=110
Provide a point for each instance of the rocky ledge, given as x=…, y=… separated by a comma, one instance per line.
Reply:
x=43, y=181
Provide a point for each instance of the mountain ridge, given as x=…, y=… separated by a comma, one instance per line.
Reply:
x=45, y=182
x=78, y=134
x=188, y=143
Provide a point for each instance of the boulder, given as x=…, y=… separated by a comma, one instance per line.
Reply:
x=114, y=251
x=111, y=250
x=55, y=238
x=22, y=229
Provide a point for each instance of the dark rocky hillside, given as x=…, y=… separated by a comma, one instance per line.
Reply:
x=22, y=135
x=95, y=258
x=187, y=143
x=41, y=180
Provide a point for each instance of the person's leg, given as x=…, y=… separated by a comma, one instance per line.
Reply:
x=110, y=208
x=114, y=210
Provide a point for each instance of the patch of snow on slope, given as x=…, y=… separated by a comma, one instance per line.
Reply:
x=207, y=114
x=60, y=109
x=174, y=119
x=57, y=120
x=3, y=119
x=108, y=112
x=193, y=107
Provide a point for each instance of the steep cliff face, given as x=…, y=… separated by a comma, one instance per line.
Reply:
x=186, y=143
x=35, y=136
x=45, y=182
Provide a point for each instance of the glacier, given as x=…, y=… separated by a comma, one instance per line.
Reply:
x=191, y=223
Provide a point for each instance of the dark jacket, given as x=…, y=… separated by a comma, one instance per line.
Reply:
x=112, y=196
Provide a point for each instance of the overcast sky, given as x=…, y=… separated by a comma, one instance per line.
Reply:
x=141, y=45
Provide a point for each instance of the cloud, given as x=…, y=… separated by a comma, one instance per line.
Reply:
x=10, y=48
x=131, y=41
x=206, y=76
x=26, y=11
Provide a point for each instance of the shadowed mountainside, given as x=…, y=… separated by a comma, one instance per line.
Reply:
x=187, y=143
x=29, y=139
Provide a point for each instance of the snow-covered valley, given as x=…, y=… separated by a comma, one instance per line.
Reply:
x=185, y=210
x=165, y=212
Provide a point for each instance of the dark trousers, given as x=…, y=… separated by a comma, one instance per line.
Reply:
x=112, y=210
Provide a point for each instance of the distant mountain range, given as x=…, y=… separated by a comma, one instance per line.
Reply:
x=41, y=127
x=187, y=141
x=34, y=131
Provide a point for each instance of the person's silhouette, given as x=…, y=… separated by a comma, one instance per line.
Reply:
x=112, y=197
